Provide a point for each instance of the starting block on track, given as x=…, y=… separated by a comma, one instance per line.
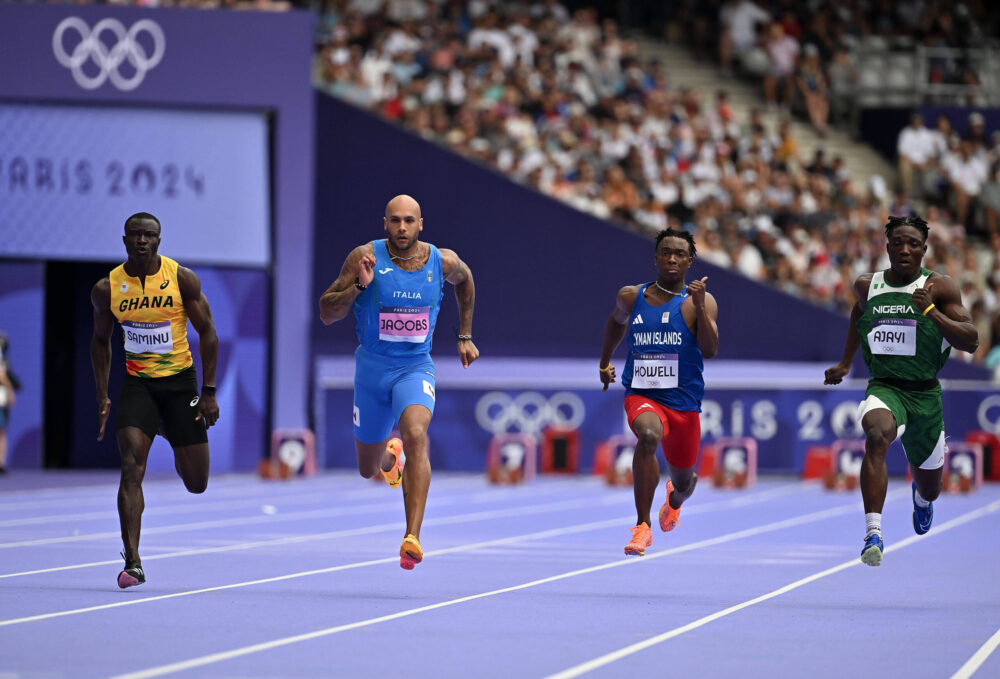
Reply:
x=731, y=462
x=512, y=458
x=613, y=460
x=293, y=453
x=963, y=467
x=844, y=470
x=991, y=452
x=560, y=451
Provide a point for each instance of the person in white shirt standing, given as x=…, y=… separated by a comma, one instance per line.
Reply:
x=916, y=148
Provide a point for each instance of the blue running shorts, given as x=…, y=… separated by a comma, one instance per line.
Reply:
x=384, y=387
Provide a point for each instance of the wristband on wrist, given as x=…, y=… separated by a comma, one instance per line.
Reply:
x=605, y=369
x=209, y=388
x=357, y=284
x=927, y=310
x=464, y=337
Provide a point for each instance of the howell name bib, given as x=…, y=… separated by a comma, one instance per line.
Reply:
x=654, y=371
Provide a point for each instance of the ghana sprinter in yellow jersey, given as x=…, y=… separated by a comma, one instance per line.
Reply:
x=152, y=298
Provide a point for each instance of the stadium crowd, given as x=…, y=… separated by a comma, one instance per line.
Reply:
x=560, y=100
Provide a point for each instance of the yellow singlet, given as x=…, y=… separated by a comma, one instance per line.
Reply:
x=153, y=320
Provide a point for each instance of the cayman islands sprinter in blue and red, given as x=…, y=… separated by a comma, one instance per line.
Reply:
x=671, y=326
x=394, y=287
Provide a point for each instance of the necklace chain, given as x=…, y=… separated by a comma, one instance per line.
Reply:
x=402, y=259
x=669, y=292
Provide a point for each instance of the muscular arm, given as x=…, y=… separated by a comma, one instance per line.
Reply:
x=705, y=311
x=457, y=273
x=614, y=331
x=852, y=342
x=948, y=314
x=100, y=347
x=335, y=303
x=200, y=315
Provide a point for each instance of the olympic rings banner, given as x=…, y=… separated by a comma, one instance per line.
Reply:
x=786, y=421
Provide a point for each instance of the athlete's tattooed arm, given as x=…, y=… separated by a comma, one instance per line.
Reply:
x=458, y=274
x=100, y=348
x=200, y=315
x=338, y=298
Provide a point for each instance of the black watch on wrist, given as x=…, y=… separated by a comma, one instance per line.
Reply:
x=208, y=388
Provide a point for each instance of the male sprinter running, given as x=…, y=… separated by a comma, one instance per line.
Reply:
x=153, y=297
x=906, y=320
x=671, y=325
x=394, y=287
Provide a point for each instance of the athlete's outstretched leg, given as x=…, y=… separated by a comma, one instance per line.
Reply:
x=880, y=431
x=879, y=426
x=191, y=463
x=413, y=426
x=645, y=468
x=133, y=444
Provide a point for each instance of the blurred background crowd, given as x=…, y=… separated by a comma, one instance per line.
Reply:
x=576, y=100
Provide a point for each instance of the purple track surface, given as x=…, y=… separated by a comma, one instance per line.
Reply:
x=300, y=579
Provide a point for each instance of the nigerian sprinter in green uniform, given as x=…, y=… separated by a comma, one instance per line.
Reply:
x=906, y=321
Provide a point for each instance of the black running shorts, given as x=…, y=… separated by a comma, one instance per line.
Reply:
x=170, y=403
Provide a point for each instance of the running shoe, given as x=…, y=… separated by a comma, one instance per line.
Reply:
x=394, y=477
x=132, y=575
x=670, y=518
x=871, y=553
x=922, y=516
x=642, y=537
x=410, y=552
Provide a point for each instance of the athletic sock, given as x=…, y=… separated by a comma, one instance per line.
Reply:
x=919, y=501
x=873, y=523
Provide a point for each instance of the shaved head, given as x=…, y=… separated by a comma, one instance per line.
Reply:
x=403, y=202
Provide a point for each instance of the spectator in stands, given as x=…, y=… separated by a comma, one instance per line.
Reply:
x=915, y=147
x=811, y=84
x=783, y=52
x=966, y=173
x=739, y=19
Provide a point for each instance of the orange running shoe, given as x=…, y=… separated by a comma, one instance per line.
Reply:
x=642, y=537
x=410, y=552
x=394, y=477
x=670, y=518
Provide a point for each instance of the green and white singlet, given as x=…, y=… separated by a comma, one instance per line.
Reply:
x=904, y=350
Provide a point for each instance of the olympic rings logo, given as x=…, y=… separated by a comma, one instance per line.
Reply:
x=92, y=48
x=529, y=412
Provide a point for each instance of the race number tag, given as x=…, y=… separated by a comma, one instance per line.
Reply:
x=148, y=338
x=894, y=337
x=654, y=371
x=403, y=324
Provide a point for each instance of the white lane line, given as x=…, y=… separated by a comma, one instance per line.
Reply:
x=978, y=658
x=623, y=562
x=285, y=500
x=614, y=656
x=245, y=487
x=733, y=503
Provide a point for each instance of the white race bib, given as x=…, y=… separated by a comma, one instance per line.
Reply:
x=894, y=337
x=654, y=371
x=148, y=338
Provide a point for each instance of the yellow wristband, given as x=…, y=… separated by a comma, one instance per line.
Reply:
x=927, y=310
x=604, y=370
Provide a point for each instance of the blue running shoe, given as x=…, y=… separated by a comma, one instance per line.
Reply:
x=871, y=553
x=922, y=516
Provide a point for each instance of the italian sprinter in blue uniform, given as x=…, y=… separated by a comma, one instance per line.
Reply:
x=671, y=327
x=394, y=287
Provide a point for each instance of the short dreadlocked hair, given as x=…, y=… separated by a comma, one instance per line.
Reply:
x=910, y=220
x=678, y=233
